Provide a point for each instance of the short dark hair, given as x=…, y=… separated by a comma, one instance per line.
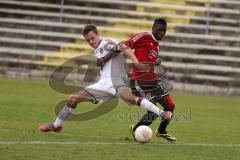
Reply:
x=88, y=28
x=160, y=21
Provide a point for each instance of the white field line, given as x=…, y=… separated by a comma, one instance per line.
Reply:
x=113, y=143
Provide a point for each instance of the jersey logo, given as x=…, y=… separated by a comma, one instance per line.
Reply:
x=153, y=54
x=101, y=50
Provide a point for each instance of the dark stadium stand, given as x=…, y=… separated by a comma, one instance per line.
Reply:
x=32, y=35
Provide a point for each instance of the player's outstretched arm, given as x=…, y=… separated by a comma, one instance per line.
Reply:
x=101, y=61
x=111, y=48
x=129, y=53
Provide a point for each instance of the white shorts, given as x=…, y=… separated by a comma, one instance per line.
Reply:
x=104, y=90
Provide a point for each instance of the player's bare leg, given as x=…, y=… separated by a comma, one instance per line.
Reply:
x=67, y=110
x=127, y=96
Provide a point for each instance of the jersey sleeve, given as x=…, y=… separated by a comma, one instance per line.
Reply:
x=112, y=41
x=131, y=42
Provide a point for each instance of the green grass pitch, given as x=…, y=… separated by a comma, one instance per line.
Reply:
x=206, y=127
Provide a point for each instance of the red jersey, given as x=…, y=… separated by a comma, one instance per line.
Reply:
x=146, y=50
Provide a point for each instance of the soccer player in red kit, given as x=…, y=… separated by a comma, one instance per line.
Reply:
x=146, y=47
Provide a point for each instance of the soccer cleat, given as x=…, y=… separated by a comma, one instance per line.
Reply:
x=132, y=131
x=49, y=127
x=166, y=136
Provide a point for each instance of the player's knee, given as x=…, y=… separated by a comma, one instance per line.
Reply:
x=72, y=98
x=72, y=101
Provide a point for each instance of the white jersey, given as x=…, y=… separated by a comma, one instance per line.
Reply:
x=113, y=68
x=113, y=71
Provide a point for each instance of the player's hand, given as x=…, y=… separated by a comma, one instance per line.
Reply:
x=114, y=53
x=143, y=67
x=100, y=63
x=111, y=46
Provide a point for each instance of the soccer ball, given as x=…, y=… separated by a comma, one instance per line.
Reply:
x=143, y=134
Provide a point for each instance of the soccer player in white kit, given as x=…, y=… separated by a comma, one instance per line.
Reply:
x=110, y=84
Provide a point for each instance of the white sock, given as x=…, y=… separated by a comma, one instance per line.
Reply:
x=62, y=116
x=146, y=104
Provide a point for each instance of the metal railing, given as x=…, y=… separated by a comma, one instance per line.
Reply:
x=61, y=11
x=208, y=18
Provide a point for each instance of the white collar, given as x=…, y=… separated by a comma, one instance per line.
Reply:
x=153, y=37
x=99, y=44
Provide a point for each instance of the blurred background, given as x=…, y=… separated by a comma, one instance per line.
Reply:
x=201, y=47
x=201, y=50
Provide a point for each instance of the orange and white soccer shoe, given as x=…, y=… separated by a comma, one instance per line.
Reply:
x=48, y=128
